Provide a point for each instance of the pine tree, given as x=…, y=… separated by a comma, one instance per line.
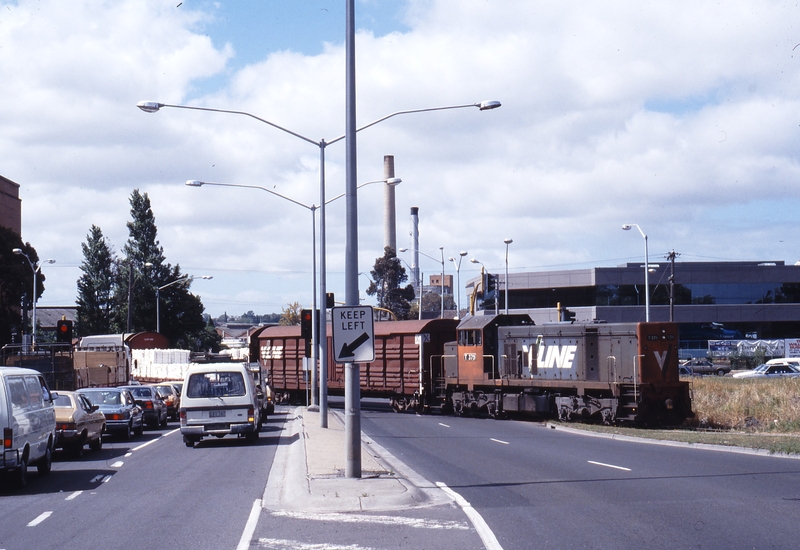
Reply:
x=387, y=276
x=96, y=285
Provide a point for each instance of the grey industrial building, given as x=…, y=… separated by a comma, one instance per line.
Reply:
x=712, y=300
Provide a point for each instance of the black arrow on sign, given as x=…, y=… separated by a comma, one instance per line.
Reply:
x=348, y=350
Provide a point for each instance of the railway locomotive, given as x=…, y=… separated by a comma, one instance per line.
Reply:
x=498, y=365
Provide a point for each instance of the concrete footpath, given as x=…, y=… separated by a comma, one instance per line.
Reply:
x=308, y=472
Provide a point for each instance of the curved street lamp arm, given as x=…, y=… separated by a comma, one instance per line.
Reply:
x=197, y=183
x=153, y=106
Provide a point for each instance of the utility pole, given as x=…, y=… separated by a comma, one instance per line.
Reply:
x=671, y=257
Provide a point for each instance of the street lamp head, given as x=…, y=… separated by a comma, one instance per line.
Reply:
x=626, y=227
x=508, y=241
x=18, y=251
x=149, y=106
x=487, y=105
x=463, y=253
x=451, y=259
x=49, y=261
x=206, y=277
x=194, y=183
x=402, y=250
x=393, y=181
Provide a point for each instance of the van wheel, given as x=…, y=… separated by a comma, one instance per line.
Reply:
x=45, y=463
x=22, y=473
x=252, y=437
x=188, y=441
x=97, y=444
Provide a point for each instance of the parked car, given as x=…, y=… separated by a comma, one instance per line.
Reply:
x=171, y=397
x=774, y=370
x=153, y=407
x=704, y=366
x=78, y=422
x=28, y=423
x=219, y=400
x=123, y=415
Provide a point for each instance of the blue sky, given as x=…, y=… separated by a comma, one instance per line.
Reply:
x=681, y=120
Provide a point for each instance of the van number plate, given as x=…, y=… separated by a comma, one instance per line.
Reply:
x=216, y=414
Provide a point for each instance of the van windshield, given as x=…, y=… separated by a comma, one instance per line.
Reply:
x=216, y=384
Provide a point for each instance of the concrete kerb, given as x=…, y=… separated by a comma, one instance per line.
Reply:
x=308, y=472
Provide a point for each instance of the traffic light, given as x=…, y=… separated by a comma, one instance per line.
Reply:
x=329, y=303
x=306, y=324
x=491, y=283
x=568, y=315
x=64, y=331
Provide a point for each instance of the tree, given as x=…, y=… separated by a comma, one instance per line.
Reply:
x=432, y=301
x=96, y=285
x=16, y=282
x=387, y=276
x=290, y=315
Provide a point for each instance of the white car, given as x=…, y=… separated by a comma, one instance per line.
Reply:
x=775, y=370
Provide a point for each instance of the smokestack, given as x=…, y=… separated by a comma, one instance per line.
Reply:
x=389, y=222
x=415, y=246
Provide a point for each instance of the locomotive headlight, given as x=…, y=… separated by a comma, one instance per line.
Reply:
x=668, y=404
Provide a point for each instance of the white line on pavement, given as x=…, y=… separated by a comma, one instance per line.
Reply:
x=445, y=425
x=609, y=465
x=143, y=445
x=499, y=441
x=40, y=519
x=96, y=479
x=73, y=495
x=417, y=523
x=107, y=478
x=250, y=526
x=486, y=534
x=282, y=544
x=117, y=464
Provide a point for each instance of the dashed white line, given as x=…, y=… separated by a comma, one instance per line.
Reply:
x=73, y=495
x=490, y=542
x=609, y=465
x=107, y=478
x=117, y=464
x=96, y=479
x=445, y=425
x=498, y=441
x=40, y=519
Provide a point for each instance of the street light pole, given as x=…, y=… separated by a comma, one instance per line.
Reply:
x=175, y=282
x=458, y=280
x=154, y=106
x=505, y=283
x=36, y=268
x=627, y=227
x=441, y=281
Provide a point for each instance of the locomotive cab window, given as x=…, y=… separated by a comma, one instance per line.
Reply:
x=469, y=338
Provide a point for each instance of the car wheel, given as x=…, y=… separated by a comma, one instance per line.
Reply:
x=22, y=473
x=129, y=431
x=720, y=372
x=45, y=463
x=139, y=430
x=97, y=444
x=164, y=421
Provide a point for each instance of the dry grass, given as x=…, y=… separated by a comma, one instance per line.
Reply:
x=750, y=405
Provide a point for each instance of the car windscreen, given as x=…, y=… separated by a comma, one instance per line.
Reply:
x=216, y=384
x=62, y=401
x=103, y=397
x=141, y=392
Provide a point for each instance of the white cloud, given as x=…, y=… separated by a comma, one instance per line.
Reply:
x=681, y=120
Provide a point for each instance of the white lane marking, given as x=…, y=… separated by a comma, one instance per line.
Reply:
x=250, y=526
x=445, y=425
x=609, y=465
x=282, y=544
x=40, y=519
x=96, y=479
x=73, y=495
x=484, y=532
x=127, y=455
x=107, y=478
x=143, y=445
x=416, y=523
x=499, y=441
x=117, y=464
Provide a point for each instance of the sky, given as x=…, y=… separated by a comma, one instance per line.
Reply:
x=681, y=117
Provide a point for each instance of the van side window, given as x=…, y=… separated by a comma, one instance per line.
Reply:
x=34, y=389
x=17, y=393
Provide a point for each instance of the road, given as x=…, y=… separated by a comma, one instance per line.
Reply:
x=151, y=492
x=543, y=488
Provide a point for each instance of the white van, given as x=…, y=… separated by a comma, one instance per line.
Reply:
x=28, y=421
x=219, y=399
